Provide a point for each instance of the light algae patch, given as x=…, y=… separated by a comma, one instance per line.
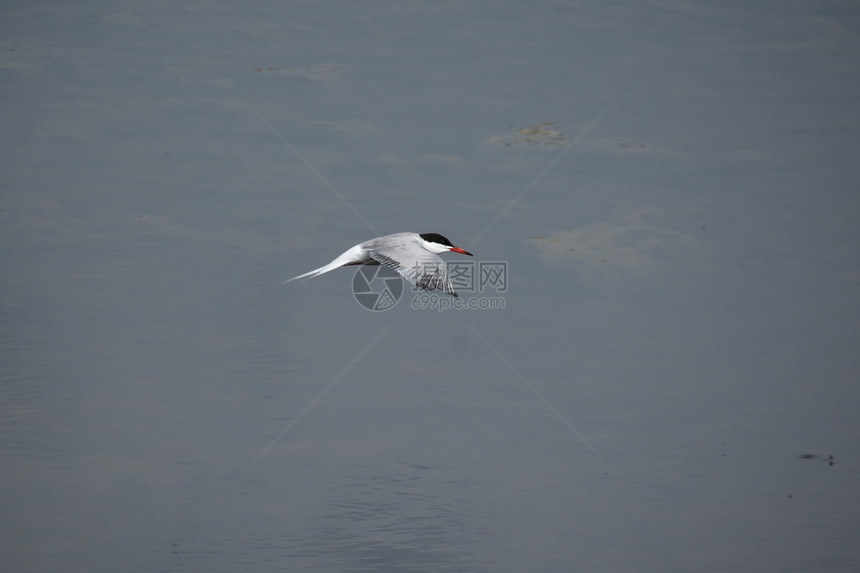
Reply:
x=629, y=243
x=313, y=72
x=543, y=135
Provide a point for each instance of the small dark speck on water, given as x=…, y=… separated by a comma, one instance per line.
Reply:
x=829, y=459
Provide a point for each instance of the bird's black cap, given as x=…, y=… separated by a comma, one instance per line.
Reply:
x=436, y=238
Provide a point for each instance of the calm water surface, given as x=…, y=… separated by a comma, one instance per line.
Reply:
x=671, y=187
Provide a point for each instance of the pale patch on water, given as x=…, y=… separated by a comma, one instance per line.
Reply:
x=632, y=242
x=314, y=71
x=544, y=135
x=15, y=56
x=550, y=134
x=627, y=145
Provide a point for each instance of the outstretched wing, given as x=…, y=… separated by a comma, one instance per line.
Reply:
x=424, y=269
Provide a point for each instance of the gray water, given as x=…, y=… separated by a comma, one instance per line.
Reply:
x=672, y=188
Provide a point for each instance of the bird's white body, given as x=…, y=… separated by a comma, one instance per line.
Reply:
x=415, y=256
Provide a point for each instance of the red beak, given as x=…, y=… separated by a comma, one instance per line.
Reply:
x=461, y=251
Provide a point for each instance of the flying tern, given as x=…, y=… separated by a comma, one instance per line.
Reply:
x=414, y=256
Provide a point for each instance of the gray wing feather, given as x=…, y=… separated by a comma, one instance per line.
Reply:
x=427, y=271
